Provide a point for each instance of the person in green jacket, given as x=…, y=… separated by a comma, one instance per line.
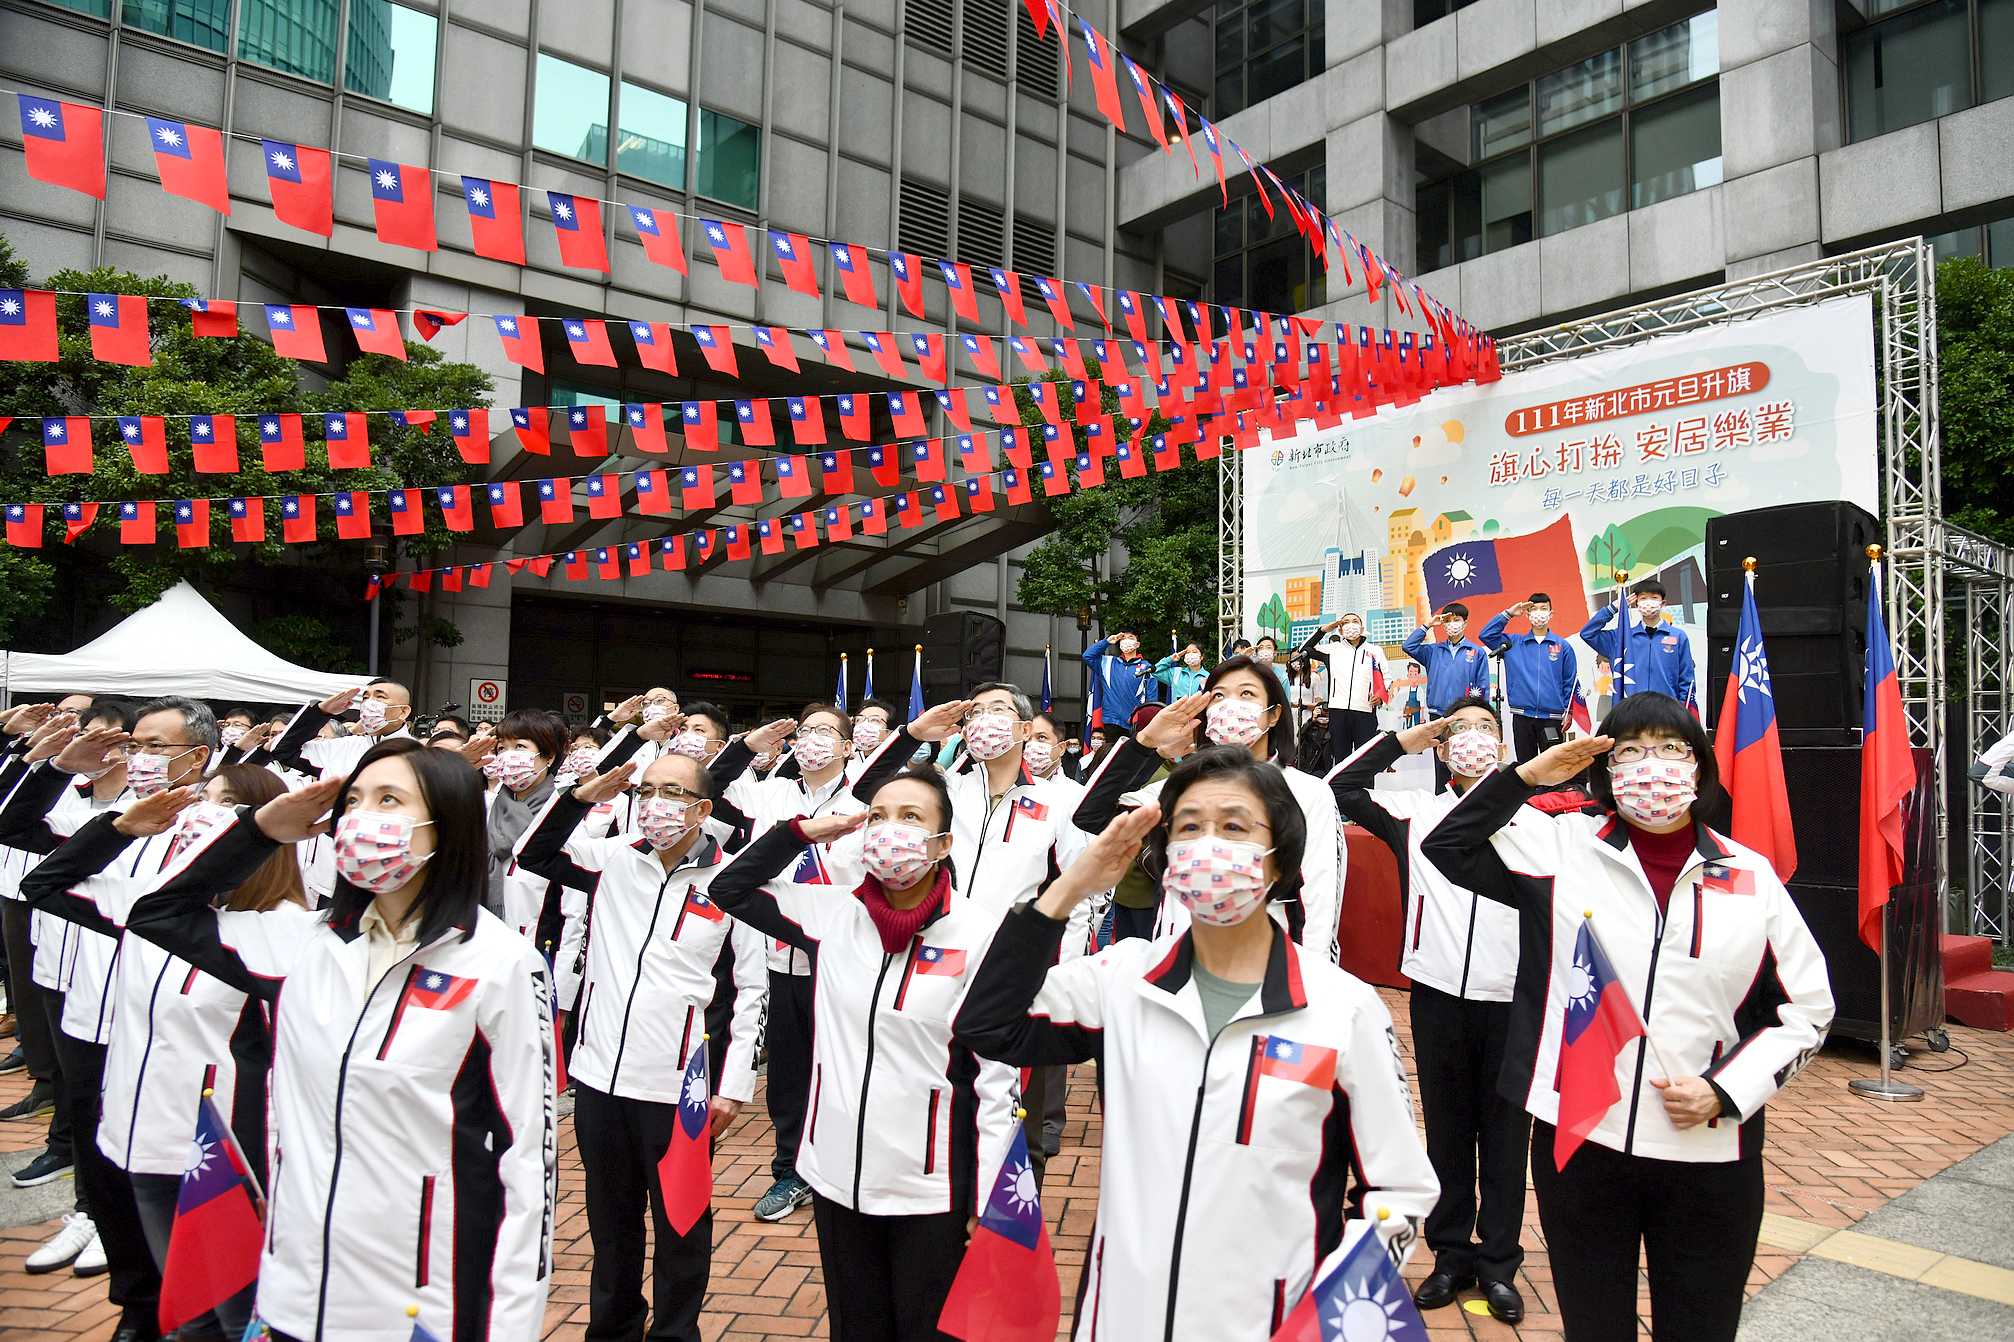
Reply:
x=1182, y=672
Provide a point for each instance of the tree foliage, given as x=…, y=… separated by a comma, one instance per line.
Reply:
x=199, y=375
x=1975, y=335
x=1167, y=524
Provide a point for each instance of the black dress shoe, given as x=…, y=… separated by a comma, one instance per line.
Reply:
x=1441, y=1288
x=1506, y=1305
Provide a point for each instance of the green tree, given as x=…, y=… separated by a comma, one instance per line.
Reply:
x=1273, y=618
x=189, y=375
x=1167, y=522
x=1975, y=380
x=1609, y=553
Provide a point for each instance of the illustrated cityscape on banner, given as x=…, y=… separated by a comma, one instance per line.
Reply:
x=1557, y=478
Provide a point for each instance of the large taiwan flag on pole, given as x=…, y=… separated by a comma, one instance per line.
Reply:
x=1887, y=772
x=213, y=1246
x=1006, y=1290
x=1748, y=750
x=1487, y=573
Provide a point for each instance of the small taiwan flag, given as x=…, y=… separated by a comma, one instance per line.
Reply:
x=496, y=219
x=685, y=1173
x=729, y=243
x=190, y=162
x=437, y=991
x=1309, y=1064
x=1727, y=879
x=402, y=201
x=940, y=960
x=119, y=329
x=1006, y=1288
x=301, y=181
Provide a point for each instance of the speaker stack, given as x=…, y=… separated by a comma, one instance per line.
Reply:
x=961, y=650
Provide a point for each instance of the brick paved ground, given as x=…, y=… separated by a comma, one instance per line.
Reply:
x=1832, y=1158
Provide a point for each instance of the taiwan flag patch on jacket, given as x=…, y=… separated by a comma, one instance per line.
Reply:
x=940, y=960
x=437, y=991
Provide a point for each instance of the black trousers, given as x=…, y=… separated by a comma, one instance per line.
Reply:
x=1132, y=924
x=1529, y=736
x=154, y=1195
x=60, y=1141
x=788, y=1036
x=1696, y=1222
x=134, y=1281
x=24, y=994
x=886, y=1276
x=1348, y=731
x=620, y=1143
x=1476, y=1139
x=1055, y=1094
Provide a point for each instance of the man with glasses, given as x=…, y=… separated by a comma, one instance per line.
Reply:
x=384, y=710
x=649, y=975
x=1461, y=952
x=822, y=738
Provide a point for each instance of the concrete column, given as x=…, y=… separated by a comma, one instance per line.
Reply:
x=1779, y=110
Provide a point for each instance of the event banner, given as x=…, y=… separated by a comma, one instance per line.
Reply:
x=1558, y=478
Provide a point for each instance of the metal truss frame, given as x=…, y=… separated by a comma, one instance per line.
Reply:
x=1932, y=566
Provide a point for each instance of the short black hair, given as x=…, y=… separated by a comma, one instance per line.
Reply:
x=1237, y=643
x=932, y=778
x=108, y=708
x=545, y=731
x=1283, y=812
x=1649, y=713
x=713, y=713
x=1455, y=608
x=457, y=875
x=238, y=711
x=1648, y=587
x=592, y=731
x=876, y=701
x=1469, y=701
x=1279, y=736
x=1539, y=599
x=460, y=724
x=845, y=723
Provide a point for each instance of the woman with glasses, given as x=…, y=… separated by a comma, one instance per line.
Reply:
x=414, y=1147
x=1700, y=938
x=1241, y=704
x=1259, y=1088
x=905, y=1125
x=652, y=936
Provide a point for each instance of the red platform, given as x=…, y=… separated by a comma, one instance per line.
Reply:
x=1373, y=923
x=1975, y=993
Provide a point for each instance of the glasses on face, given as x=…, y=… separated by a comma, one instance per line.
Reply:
x=1486, y=728
x=668, y=791
x=132, y=748
x=830, y=733
x=972, y=715
x=1664, y=750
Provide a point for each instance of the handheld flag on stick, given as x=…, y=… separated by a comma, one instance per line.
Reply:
x=1887, y=771
x=916, y=687
x=1619, y=672
x=1006, y=1290
x=213, y=1246
x=867, y=688
x=1362, y=1296
x=1748, y=749
x=839, y=690
x=685, y=1174
x=421, y=1333
x=1600, y=1021
x=1047, y=698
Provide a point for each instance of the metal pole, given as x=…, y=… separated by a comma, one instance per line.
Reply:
x=1886, y=1088
x=371, y=660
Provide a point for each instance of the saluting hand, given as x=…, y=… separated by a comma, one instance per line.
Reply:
x=600, y=787
x=938, y=723
x=826, y=828
x=629, y=711
x=339, y=703
x=92, y=753
x=1102, y=864
x=1174, y=727
x=1688, y=1100
x=45, y=741
x=477, y=749
x=26, y=718
x=765, y=740
x=297, y=815
x=1563, y=761
x=663, y=728
x=1422, y=737
x=153, y=815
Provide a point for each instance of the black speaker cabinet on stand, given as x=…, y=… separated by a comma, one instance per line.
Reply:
x=961, y=649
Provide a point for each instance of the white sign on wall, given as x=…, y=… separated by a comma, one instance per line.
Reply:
x=486, y=700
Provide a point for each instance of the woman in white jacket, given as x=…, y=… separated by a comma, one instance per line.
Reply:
x=414, y=1151
x=905, y=1123
x=1707, y=945
x=1258, y=1088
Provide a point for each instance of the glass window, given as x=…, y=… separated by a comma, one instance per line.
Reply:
x=1909, y=69
x=570, y=113
x=730, y=159
x=1996, y=50
x=391, y=54
x=2000, y=242
x=1263, y=47
x=1502, y=123
x=1577, y=95
x=205, y=23
x=1674, y=147
x=1580, y=178
x=1673, y=57
x=652, y=142
x=297, y=36
x=97, y=9
x=1958, y=242
x=1505, y=195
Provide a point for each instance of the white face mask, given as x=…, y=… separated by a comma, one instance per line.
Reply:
x=202, y=817
x=1649, y=605
x=1353, y=630
x=1473, y=752
x=895, y=853
x=1539, y=618
x=663, y=821
x=692, y=745
x=371, y=715
x=1192, y=659
x=1234, y=722
x=1039, y=756
x=1219, y=881
x=868, y=735
x=652, y=712
x=1455, y=628
x=517, y=767
x=814, y=752
x=1263, y=656
x=1129, y=645
x=580, y=763
x=231, y=734
x=1654, y=791
x=991, y=735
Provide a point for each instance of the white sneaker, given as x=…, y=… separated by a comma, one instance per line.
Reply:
x=68, y=1242
x=91, y=1262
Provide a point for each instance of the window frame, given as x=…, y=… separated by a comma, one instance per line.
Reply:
x=1311, y=35
x=1975, y=64
x=539, y=55
x=1312, y=183
x=434, y=79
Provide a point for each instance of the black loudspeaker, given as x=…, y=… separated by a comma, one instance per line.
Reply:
x=1824, y=787
x=1811, y=592
x=961, y=650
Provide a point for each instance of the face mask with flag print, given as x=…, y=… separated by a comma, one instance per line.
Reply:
x=990, y=735
x=492, y=768
x=374, y=851
x=1353, y=631
x=1038, y=756
x=896, y=853
x=1653, y=791
x=1234, y=722
x=517, y=767
x=1456, y=628
x=231, y=735
x=692, y=745
x=1129, y=645
x=147, y=774
x=1219, y=881
x=1263, y=656
x=579, y=763
x=814, y=752
x=652, y=712
x=1473, y=752
x=1540, y=616
x=371, y=716
x=868, y=736
x=663, y=821
x=203, y=817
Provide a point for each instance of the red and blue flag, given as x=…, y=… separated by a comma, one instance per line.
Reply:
x=496, y=219
x=685, y=1172
x=1361, y=1297
x=302, y=182
x=1487, y=574
x=190, y=162
x=1006, y=1289
x=437, y=991
x=1600, y=1021
x=64, y=144
x=940, y=960
x=402, y=204
x=1887, y=771
x=213, y=1247
x=1749, y=751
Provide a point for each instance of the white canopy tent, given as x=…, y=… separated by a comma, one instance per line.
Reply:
x=178, y=645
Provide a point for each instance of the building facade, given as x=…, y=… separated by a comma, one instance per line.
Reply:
x=938, y=126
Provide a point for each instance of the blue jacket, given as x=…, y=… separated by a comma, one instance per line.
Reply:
x=1659, y=659
x=1117, y=685
x=1540, y=673
x=1181, y=680
x=1454, y=670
